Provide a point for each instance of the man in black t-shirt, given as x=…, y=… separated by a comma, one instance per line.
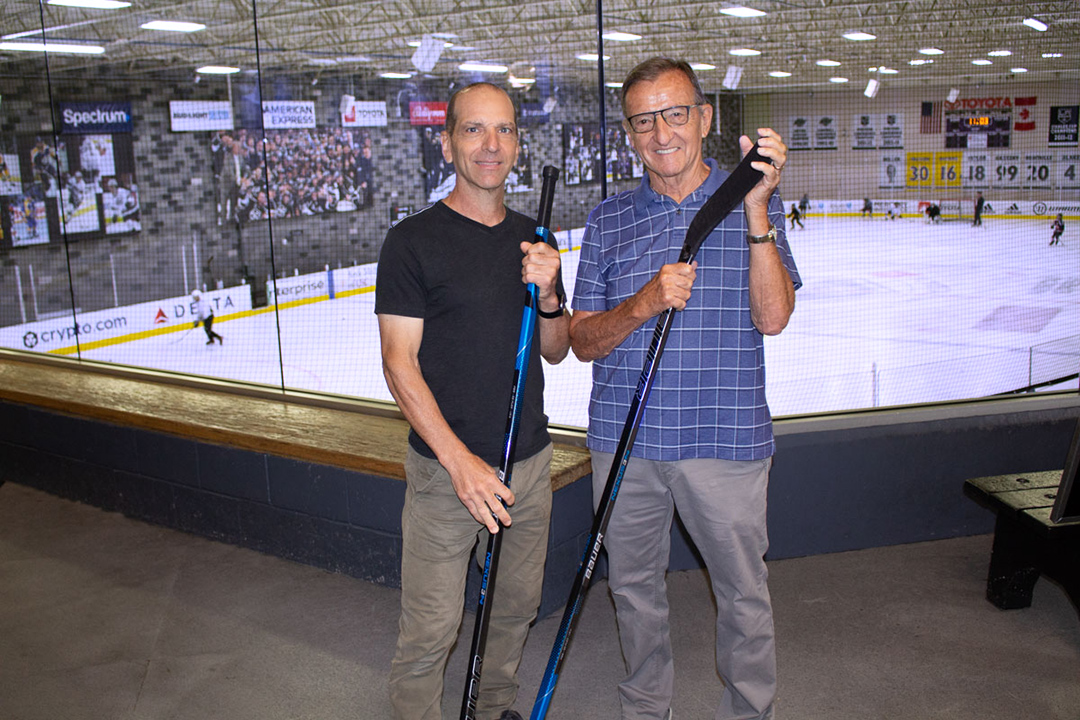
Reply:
x=450, y=290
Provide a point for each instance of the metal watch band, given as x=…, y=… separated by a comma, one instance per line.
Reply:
x=769, y=237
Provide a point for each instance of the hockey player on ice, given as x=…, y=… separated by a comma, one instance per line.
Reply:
x=1058, y=226
x=205, y=315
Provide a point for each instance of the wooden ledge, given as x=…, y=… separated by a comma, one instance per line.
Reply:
x=346, y=438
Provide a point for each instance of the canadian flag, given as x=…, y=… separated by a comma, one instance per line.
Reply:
x=1025, y=113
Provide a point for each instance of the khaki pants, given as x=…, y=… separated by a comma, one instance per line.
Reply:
x=722, y=503
x=438, y=538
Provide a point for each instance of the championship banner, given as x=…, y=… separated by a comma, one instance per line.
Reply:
x=825, y=133
x=878, y=131
x=360, y=113
x=799, y=134
x=427, y=113
x=282, y=115
x=95, y=118
x=1063, y=125
x=891, y=127
x=199, y=115
x=864, y=132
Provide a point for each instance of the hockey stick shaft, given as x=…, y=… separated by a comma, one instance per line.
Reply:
x=513, y=420
x=711, y=214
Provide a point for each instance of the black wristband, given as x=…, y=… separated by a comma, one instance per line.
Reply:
x=553, y=314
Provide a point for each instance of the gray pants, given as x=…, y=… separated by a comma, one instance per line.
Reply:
x=722, y=503
x=438, y=537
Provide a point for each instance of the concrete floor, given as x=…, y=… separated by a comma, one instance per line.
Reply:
x=103, y=617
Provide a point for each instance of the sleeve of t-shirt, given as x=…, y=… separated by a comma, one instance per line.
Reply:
x=776, y=215
x=399, y=286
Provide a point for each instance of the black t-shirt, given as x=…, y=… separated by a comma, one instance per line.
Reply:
x=464, y=279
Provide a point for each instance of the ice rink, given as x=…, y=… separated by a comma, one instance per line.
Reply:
x=890, y=313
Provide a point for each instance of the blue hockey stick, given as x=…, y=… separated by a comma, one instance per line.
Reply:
x=494, y=545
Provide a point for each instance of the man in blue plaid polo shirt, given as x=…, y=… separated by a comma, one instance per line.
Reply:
x=705, y=443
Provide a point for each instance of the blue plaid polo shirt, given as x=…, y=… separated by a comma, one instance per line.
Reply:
x=708, y=397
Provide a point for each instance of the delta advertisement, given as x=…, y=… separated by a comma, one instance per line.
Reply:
x=104, y=327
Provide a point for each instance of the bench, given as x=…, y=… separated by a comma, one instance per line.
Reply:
x=1027, y=543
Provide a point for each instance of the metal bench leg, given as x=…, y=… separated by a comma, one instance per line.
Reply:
x=1014, y=565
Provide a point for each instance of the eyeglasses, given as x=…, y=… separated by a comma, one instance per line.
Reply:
x=675, y=116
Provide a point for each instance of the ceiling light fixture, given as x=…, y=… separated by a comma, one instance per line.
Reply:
x=982, y=61
x=732, y=77
x=591, y=57
x=742, y=12
x=1036, y=24
x=217, y=70
x=872, y=86
x=618, y=36
x=418, y=43
x=920, y=62
x=827, y=63
x=482, y=67
x=1052, y=55
x=838, y=79
x=52, y=47
x=931, y=51
x=395, y=75
x=860, y=36
x=95, y=4
x=702, y=66
x=1018, y=70
x=779, y=74
x=888, y=71
x=954, y=93
x=999, y=53
x=173, y=26
x=744, y=52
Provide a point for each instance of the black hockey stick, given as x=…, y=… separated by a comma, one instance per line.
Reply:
x=711, y=214
x=513, y=418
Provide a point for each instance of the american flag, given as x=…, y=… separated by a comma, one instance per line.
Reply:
x=930, y=122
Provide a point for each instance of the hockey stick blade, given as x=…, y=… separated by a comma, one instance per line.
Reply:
x=721, y=203
x=506, y=466
x=711, y=214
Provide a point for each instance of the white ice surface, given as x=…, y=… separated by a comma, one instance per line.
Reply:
x=890, y=313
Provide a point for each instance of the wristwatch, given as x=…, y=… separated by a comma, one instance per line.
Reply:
x=554, y=313
x=769, y=237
